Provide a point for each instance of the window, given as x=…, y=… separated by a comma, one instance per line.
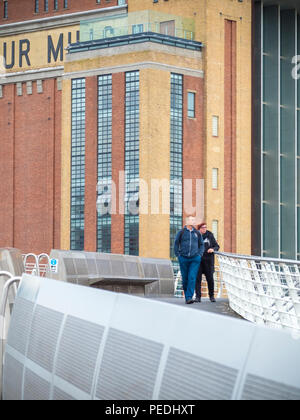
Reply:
x=36, y=6
x=98, y=1
x=104, y=163
x=132, y=162
x=78, y=164
x=215, y=228
x=121, y=2
x=215, y=126
x=137, y=29
x=46, y=5
x=176, y=145
x=191, y=104
x=5, y=11
x=108, y=31
x=55, y=5
x=215, y=178
x=65, y=4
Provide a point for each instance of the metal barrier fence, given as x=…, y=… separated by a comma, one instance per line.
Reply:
x=220, y=287
x=262, y=290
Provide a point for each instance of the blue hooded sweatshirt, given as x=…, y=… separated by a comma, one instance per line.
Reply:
x=189, y=244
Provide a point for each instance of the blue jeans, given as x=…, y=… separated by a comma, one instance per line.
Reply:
x=189, y=268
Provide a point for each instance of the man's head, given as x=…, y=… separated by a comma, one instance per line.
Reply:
x=190, y=221
x=203, y=228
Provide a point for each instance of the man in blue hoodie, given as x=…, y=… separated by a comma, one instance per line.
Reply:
x=189, y=248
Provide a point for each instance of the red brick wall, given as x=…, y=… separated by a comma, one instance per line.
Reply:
x=91, y=170
x=193, y=134
x=26, y=12
x=230, y=138
x=118, y=156
x=30, y=168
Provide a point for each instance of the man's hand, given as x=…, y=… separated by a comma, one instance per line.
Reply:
x=210, y=251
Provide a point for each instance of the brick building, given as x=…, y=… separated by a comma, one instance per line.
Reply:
x=110, y=92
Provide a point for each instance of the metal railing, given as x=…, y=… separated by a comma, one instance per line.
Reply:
x=36, y=264
x=263, y=290
x=4, y=321
x=220, y=287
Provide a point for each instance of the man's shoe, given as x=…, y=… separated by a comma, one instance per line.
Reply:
x=189, y=302
x=213, y=300
x=197, y=300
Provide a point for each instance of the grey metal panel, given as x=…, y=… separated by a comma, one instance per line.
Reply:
x=258, y=388
x=11, y=260
x=43, y=337
x=70, y=266
x=35, y=387
x=151, y=350
x=273, y=366
x=123, y=273
x=205, y=381
x=12, y=378
x=20, y=324
x=150, y=269
x=271, y=131
x=287, y=135
x=129, y=367
x=78, y=351
x=256, y=130
x=103, y=266
x=59, y=395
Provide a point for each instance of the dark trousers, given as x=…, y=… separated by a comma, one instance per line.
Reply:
x=207, y=269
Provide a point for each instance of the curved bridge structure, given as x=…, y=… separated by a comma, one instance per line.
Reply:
x=71, y=342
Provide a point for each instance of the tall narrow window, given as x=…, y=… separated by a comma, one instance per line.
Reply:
x=215, y=228
x=65, y=4
x=104, y=163
x=215, y=178
x=176, y=158
x=78, y=164
x=191, y=104
x=132, y=132
x=215, y=126
x=46, y=5
x=55, y=5
x=36, y=6
x=5, y=11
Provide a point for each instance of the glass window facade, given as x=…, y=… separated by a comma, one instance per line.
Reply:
x=277, y=39
x=132, y=131
x=78, y=164
x=176, y=158
x=104, y=162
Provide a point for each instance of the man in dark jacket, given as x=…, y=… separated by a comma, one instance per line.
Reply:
x=207, y=266
x=189, y=249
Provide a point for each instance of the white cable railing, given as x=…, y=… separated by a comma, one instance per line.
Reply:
x=262, y=290
x=220, y=289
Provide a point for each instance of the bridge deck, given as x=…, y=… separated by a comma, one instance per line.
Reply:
x=221, y=307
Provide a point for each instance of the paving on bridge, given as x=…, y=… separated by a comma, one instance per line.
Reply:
x=221, y=307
